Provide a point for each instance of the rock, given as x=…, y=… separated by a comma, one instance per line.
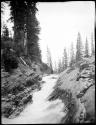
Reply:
x=89, y=99
x=17, y=88
x=4, y=74
x=83, y=66
x=78, y=82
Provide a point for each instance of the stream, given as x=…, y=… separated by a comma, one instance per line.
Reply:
x=41, y=110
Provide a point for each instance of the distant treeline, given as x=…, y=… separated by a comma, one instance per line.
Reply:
x=75, y=57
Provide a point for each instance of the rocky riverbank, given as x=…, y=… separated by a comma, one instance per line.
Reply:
x=76, y=88
x=17, y=89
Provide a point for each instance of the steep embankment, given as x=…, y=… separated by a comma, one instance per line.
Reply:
x=76, y=88
x=17, y=89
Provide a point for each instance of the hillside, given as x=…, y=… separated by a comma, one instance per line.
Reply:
x=17, y=88
x=76, y=88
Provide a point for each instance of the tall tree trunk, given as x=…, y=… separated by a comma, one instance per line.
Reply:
x=19, y=40
x=17, y=12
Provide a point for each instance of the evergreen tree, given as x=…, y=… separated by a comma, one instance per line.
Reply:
x=6, y=41
x=18, y=10
x=60, y=66
x=5, y=33
x=65, y=60
x=5, y=37
x=92, y=46
x=33, y=29
x=55, y=68
x=25, y=29
x=49, y=59
x=72, y=56
x=86, y=49
x=79, y=49
x=63, y=66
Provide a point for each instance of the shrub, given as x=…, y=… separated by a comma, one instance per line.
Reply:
x=9, y=60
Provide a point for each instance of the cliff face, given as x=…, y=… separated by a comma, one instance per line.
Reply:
x=76, y=88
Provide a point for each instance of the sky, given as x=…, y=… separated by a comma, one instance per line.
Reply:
x=5, y=16
x=60, y=23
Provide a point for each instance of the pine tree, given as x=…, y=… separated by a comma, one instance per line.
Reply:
x=79, y=49
x=33, y=29
x=55, y=67
x=60, y=66
x=5, y=31
x=4, y=37
x=18, y=17
x=65, y=60
x=86, y=49
x=92, y=46
x=63, y=66
x=49, y=59
x=72, y=56
x=26, y=29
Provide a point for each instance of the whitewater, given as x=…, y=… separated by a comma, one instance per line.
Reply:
x=41, y=110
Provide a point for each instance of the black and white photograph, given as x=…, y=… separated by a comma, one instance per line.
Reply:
x=47, y=62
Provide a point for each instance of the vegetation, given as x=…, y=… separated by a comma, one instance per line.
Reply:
x=22, y=67
x=92, y=46
x=65, y=59
x=25, y=40
x=79, y=53
x=6, y=41
x=76, y=58
x=19, y=77
x=32, y=33
x=86, y=49
x=60, y=67
x=10, y=61
x=72, y=56
x=49, y=59
x=26, y=29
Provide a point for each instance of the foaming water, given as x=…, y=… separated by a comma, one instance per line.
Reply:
x=41, y=110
